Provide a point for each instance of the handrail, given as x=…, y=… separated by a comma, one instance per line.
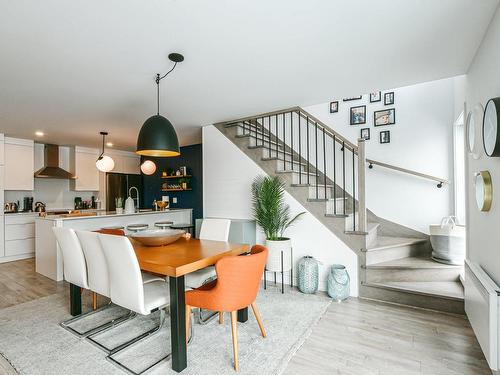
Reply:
x=332, y=133
x=408, y=171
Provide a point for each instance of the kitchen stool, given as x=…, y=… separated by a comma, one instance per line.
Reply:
x=187, y=227
x=163, y=224
x=137, y=227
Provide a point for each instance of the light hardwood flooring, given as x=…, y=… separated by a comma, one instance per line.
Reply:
x=356, y=337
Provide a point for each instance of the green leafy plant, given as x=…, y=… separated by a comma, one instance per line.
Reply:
x=269, y=208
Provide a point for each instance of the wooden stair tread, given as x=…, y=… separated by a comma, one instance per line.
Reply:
x=387, y=242
x=411, y=263
x=444, y=289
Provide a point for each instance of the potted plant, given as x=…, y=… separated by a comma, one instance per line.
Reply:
x=119, y=205
x=184, y=183
x=272, y=214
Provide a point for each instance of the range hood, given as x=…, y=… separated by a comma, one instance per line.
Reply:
x=51, y=167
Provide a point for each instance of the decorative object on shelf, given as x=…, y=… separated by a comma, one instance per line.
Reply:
x=484, y=190
x=358, y=115
x=119, y=205
x=385, y=136
x=365, y=134
x=375, y=97
x=273, y=215
x=148, y=167
x=491, y=133
x=448, y=241
x=334, y=107
x=164, y=174
x=353, y=98
x=184, y=183
x=384, y=117
x=389, y=98
x=308, y=275
x=104, y=162
x=157, y=136
x=183, y=171
x=474, y=118
x=339, y=287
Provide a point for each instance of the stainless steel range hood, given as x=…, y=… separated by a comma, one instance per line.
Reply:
x=51, y=167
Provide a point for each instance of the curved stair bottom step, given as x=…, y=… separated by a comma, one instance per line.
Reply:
x=439, y=296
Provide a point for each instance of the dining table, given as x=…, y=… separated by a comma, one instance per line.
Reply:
x=174, y=261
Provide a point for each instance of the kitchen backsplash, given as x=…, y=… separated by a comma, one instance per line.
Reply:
x=54, y=193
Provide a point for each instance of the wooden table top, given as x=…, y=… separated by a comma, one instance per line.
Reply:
x=184, y=255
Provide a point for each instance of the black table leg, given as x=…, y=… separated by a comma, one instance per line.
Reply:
x=75, y=300
x=243, y=315
x=178, y=323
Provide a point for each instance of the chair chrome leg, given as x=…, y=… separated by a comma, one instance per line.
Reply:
x=166, y=357
x=66, y=323
x=205, y=320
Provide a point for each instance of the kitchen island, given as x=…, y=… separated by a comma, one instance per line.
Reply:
x=48, y=258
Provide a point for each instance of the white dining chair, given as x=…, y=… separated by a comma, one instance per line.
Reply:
x=214, y=230
x=127, y=288
x=75, y=272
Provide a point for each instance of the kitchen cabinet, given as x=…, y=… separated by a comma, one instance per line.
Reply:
x=82, y=165
x=2, y=147
x=19, y=161
x=19, y=235
x=126, y=162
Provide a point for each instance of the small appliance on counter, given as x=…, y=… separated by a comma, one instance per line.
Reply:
x=28, y=204
x=78, y=203
x=39, y=207
x=10, y=208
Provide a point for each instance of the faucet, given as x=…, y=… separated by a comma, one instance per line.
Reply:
x=136, y=195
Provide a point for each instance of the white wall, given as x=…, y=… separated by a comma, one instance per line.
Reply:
x=227, y=177
x=421, y=140
x=483, y=83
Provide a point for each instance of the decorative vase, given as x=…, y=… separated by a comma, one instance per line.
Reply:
x=338, y=283
x=308, y=275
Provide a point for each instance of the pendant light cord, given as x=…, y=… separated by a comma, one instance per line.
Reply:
x=157, y=80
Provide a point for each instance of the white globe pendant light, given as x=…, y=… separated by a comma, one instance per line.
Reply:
x=104, y=162
x=148, y=167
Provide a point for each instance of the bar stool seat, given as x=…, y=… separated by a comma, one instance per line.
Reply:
x=164, y=224
x=185, y=226
x=137, y=227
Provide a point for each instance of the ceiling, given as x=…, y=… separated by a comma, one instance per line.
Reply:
x=74, y=68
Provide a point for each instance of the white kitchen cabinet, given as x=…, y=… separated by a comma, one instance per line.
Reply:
x=2, y=147
x=131, y=164
x=2, y=229
x=19, y=235
x=19, y=164
x=83, y=166
x=126, y=162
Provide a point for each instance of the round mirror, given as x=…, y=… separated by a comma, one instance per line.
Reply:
x=473, y=118
x=483, y=188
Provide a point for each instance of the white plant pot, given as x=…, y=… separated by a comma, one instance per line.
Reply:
x=119, y=210
x=274, y=259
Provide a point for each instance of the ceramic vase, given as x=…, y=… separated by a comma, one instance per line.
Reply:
x=308, y=269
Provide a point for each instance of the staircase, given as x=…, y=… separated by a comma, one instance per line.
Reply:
x=325, y=173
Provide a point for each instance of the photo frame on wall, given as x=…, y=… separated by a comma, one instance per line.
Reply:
x=334, y=107
x=358, y=115
x=353, y=98
x=375, y=97
x=384, y=117
x=389, y=98
x=385, y=136
x=365, y=134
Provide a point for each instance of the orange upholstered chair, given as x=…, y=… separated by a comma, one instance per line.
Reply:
x=236, y=287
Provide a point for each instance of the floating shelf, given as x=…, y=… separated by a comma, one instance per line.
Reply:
x=176, y=189
x=176, y=176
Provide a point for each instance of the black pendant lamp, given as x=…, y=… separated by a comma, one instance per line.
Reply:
x=157, y=136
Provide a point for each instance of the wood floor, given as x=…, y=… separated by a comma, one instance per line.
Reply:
x=357, y=337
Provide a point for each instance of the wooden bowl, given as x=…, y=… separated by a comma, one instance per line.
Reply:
x=157, y=237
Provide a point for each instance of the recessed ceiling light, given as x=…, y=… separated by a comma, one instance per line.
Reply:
x=39, y=134
x=109, y=144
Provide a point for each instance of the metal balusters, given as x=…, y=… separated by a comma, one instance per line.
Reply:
x=276, y=137
x=307, y=122
x=324, y=162
x=269, y=136
x=300, y=153
x=343, y=174
x=353, y=193
x=291, y=136
x=284, y=143
x=334, y=177
x=316, y=149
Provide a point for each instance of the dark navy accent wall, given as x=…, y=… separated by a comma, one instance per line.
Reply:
x=191, y=157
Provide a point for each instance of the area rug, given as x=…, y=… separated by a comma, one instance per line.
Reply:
x=34, y=343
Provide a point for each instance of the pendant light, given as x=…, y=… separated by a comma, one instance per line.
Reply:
x=104, y=162
x=157, y=136
x=148, y=167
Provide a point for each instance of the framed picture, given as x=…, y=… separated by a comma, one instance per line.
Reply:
x=384, y=117
x=334, y=107
x=389, y=98
x=353, y=98
x=385, y=136
x=375, y=97
x=358, y=115
x=365, y=134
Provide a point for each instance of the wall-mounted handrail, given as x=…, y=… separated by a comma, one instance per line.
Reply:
x=440, y=180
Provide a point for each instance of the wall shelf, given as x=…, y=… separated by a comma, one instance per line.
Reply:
x=186, y=176
x=176, y=189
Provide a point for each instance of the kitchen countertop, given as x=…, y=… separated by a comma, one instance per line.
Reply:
x=101, y=214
